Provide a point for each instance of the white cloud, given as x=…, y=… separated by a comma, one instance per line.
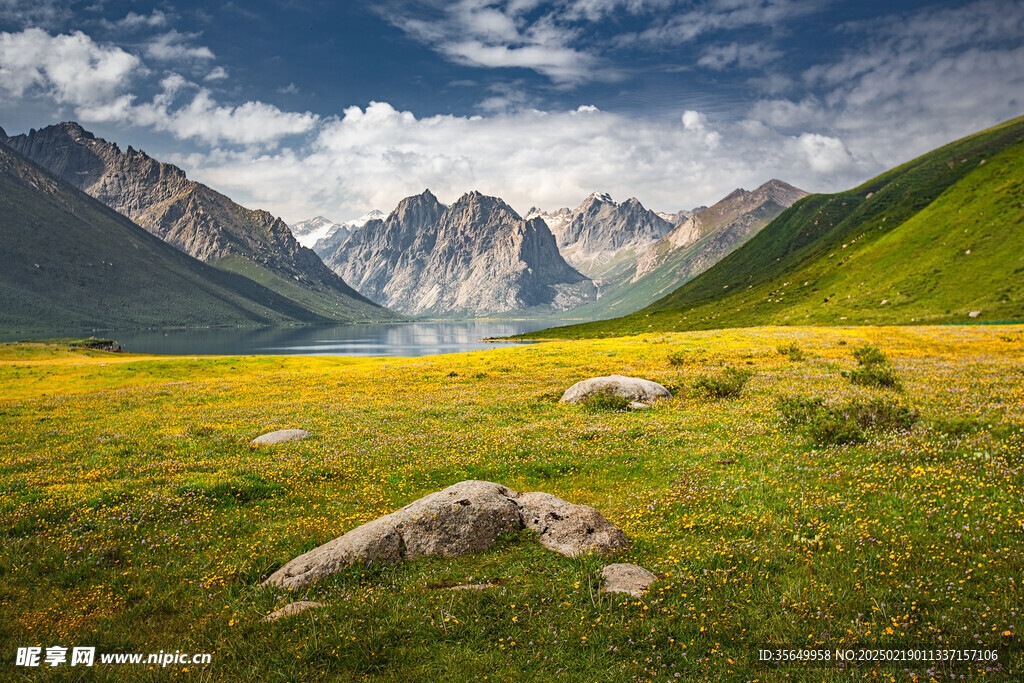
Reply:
x=372, y=157
x=218, y=73
x=71, y=69
x=134, y=21
x=251, y=123
x=171, y=46
x=746, y=56
x=96, y=81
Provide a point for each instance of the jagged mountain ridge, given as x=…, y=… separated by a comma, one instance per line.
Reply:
x=193, y=217
x=598, y=233
x=475, y=257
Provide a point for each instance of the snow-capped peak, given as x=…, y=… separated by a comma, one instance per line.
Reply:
x=376, y=214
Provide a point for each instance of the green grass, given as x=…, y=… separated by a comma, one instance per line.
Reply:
x=932, y=241
x=137, y=518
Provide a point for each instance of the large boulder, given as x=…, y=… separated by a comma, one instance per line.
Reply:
x=567, y=528
x=464, y=518
x=626, y=578
x=633, y=388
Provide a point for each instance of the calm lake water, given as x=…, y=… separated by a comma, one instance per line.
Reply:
x=399, y=339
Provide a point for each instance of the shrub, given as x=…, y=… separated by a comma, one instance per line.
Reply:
x=847, y=423
x=873, y=369
x=729, y=385
x=677, y=358
x=869, y=355
x=799, y=410
x=794, y=352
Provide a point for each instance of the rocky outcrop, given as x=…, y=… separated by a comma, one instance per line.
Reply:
x=600, y=232
x=626, y=578
x=635, y=389
x=193, y=217
x=464, y=518
x=475, y=257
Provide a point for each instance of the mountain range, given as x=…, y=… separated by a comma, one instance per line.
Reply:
x=476, y=257
x=196, y=219
x=939, y=239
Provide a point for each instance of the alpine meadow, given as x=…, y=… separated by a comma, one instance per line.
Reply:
x=512, y=340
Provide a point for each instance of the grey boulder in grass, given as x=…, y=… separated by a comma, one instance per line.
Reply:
x=280, y=436
x=464, y=518
x=635, y=389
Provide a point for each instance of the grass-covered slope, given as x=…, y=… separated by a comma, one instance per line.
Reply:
x=137, y=518
x=70, y=262
x=936, y=239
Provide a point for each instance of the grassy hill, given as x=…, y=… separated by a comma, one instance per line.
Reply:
x=71, y=262
x=939, y=239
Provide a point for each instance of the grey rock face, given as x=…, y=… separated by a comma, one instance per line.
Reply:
x=569, y=529
x=626, y=578
x=633, y=388
x=474, y=257
x=463, y=518
x=280, y=436
x=596, y=233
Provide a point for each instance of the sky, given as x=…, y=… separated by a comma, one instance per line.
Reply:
x=335, y=108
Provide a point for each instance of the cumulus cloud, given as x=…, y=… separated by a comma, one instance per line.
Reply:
x=374, y=156
x=71, y=69
x=96, y=81
x=173, y=46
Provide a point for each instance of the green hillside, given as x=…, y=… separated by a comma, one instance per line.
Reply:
x=937, y=240
x=70, y=262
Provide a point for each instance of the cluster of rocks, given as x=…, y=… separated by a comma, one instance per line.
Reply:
x=464, y=518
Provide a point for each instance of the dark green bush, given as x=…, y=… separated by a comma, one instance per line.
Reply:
x=677, y=358
x=847, y=423
x=729, y=385
x=873, y=369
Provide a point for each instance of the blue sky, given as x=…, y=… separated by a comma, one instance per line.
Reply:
x=334, y=108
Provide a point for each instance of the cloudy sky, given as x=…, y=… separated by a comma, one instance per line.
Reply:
x=321, y=107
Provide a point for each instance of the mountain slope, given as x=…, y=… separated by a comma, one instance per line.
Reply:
x=196, y=219
x=939, y=239
x=475, y=257
x=70, y=262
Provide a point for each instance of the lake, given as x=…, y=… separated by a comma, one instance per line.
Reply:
x=395, y=339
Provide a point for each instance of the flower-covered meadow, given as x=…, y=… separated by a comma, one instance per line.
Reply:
x=138, y=518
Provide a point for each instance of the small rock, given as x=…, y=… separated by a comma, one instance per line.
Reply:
x=974, y=314
x=626, y=578
x=637, y=405
x=292, y=609
x=280, y=436
x=567, y=528
x=633, y=388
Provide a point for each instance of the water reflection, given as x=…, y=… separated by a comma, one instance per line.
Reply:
x=402, y=339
